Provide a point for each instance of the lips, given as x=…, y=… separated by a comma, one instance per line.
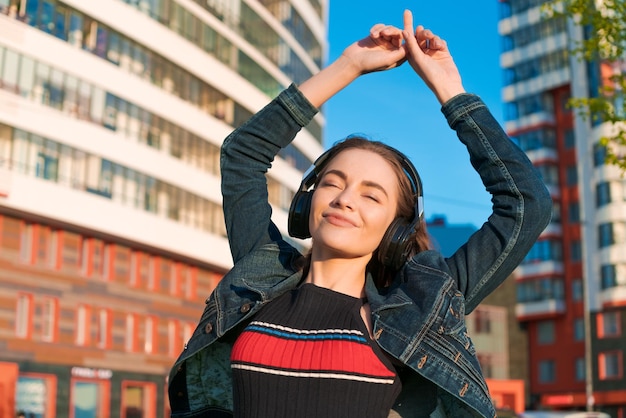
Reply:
x=338, y=220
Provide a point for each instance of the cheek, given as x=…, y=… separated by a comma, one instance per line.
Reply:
x=380, y=217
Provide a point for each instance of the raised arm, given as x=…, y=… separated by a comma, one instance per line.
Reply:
x=521, y=202
x=247, y=153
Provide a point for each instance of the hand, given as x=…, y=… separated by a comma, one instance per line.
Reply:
x=429, y=56
x=381, y=50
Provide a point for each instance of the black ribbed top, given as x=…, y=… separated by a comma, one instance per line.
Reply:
x=309, y=354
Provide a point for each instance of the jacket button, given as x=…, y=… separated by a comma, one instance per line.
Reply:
x=245, y=308
x=208, y=328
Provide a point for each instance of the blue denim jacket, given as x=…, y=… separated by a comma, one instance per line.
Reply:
x=419, y=321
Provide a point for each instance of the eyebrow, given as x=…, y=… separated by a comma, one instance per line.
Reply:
x=366, y=183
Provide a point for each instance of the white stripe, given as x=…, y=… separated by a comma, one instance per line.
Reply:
x=319, y=375
x=309, y=332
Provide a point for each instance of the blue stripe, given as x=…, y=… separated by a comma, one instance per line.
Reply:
x=293, y=336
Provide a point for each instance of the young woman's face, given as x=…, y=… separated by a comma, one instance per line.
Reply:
x=353, y=204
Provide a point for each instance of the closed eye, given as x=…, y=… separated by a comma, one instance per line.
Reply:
x=332, y=179
x=326, y=183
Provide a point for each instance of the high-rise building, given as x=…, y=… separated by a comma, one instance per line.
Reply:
x=111, y=230
x=571, y=288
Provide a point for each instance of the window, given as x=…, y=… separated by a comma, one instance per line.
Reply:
x=599, y=154
x=83, y=314
x=571, y=175
x=603, y=194
x=570, y=138
x=150, y=335
x=545, y=332
x=130, y=340
x=187, y=277
x=486, y=364
x=609, y=324
x=580, y=369
x=482, y=321
x=206, y=281
x=94, y=258
x=537, y=290
x=9, y=75
x=544, y=250
x=165, y=269
x=138, y=399
x=142, y=272
x=103, y=329
x=579, y=329
x=610, y=365
x=547, y=371
x=35, y=394
x=49, y=319
x=70, y=251
x=26, y=247
x=577, y=290
x=173, y=338
x=576, y=252
x=24, y=315
x=46, y=246
x=47, y=163
x=573, y=211
x=605, y=235
x=121, y=263
x=608, y=276
x=556, y=213
x=88, y=398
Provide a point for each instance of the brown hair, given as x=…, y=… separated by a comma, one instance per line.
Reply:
x=420, y=241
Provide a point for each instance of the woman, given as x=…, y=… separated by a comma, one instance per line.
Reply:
x=371, y=323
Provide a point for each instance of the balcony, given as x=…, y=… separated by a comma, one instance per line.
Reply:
x=529, y=121
x=543, y=308
x=543, y=154
x=614, y=296
x=544, y=268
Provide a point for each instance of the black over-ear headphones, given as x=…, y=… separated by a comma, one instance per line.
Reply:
x=394, y=247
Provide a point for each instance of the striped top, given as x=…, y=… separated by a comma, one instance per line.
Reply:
x=308, y=354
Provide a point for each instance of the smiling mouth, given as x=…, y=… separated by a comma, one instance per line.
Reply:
x=338, y=220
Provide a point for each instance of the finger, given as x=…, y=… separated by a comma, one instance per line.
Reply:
x=408, y=21
x=375, y=30
x=392, y=35
x=424, y=37
x=409, y=34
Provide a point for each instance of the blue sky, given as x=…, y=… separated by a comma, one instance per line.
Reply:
x=397, y=108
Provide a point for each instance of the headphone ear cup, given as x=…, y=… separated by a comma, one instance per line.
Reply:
x=394, y=247
x=298, y=220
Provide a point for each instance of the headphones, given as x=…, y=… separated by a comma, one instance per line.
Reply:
x=394, y=247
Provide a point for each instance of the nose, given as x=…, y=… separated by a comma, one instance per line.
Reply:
x=344, y=199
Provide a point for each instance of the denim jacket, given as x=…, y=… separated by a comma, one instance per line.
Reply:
x=419, y=320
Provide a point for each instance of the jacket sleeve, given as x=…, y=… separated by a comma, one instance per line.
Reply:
x=521, y=204
x=246, y=155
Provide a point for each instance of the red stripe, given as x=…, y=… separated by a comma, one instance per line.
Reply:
x=329, y=355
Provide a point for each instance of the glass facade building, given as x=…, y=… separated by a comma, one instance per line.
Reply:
x=112, y=114
x=572, y=284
